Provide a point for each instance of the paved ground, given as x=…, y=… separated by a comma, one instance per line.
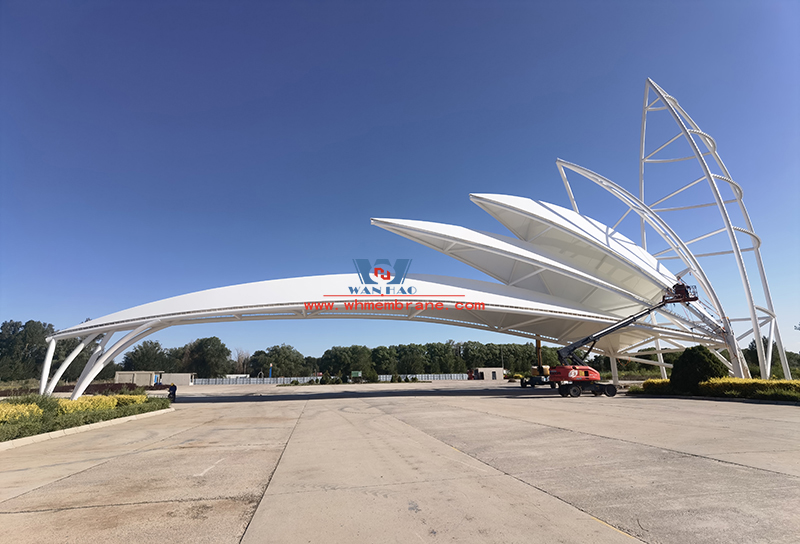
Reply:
x=450, y=461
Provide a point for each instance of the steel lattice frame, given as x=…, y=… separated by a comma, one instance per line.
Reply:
x=702, y=145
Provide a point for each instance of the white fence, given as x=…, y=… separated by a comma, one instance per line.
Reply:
x=306, y=379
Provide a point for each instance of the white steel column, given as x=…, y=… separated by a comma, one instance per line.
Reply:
x=48, y=360
x=125, y=342
x=614, y=372
x=60, y=372
x=99, y=350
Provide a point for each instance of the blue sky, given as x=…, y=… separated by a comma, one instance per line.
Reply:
x=150, y=149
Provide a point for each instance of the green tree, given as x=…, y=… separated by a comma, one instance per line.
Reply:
x=385, y=359
x=286, y=362
x=335, y=361
x=207, y=357
x=259, y=364
x=696, y=364
x=149, y=355
x=475, y=354
x=361, y=360
x=22, y=349
x=411, y=359
x=312, y=364
x=459, y=366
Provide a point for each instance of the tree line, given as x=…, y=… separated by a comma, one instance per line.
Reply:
x=23, y=348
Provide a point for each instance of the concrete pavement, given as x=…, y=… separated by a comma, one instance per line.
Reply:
x=408, y=462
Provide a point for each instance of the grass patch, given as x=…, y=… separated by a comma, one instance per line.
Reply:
x=51, y=415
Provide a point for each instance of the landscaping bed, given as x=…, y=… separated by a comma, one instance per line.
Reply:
x=27, y=415
x=731, y=388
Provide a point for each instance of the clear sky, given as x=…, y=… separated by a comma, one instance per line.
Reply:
x=155, y=148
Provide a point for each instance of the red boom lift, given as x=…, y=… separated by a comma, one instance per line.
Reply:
x=572, y=377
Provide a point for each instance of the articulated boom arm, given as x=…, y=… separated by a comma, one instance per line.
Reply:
x=680, y=292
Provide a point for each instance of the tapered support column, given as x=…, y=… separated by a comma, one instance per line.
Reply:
x=660, y=356
x=60, y=372
x=128, y=340
x=614, y=373
x=48, y=360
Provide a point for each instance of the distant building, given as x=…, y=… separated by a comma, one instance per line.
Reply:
x=488, y=373
x=140, y=377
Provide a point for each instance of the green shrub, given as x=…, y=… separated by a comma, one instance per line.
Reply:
x=718, y=387
x=777, y=394
x=86, y=404
x=14, y=412
x=125, y=400
x=657, y=387
x=21, y=428
x=696, y=364
x=47, y=404
x=150, y=406
x=635, y=390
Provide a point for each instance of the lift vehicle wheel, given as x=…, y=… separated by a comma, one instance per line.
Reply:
x=553, y=385
x=522, y=382
x=562, y=390
x=574, y=390
x=610, y=390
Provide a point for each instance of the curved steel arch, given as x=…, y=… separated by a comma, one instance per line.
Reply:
x=505, y=309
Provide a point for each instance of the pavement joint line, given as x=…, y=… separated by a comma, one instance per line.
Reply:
x=107, y=460
x=122, y=504
x=274, y=469
x=36, y=438
x=697, y=455
x=394, y=484
x=516, y=478
x=51, y=465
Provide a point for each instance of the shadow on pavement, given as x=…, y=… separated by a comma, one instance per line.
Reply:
x=350, y=394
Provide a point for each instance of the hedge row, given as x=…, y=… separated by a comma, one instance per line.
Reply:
x=13, y=412
x=718, y=387
x=733, y=388
x=98, y=402
x=51, y=419
x=658, y=387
